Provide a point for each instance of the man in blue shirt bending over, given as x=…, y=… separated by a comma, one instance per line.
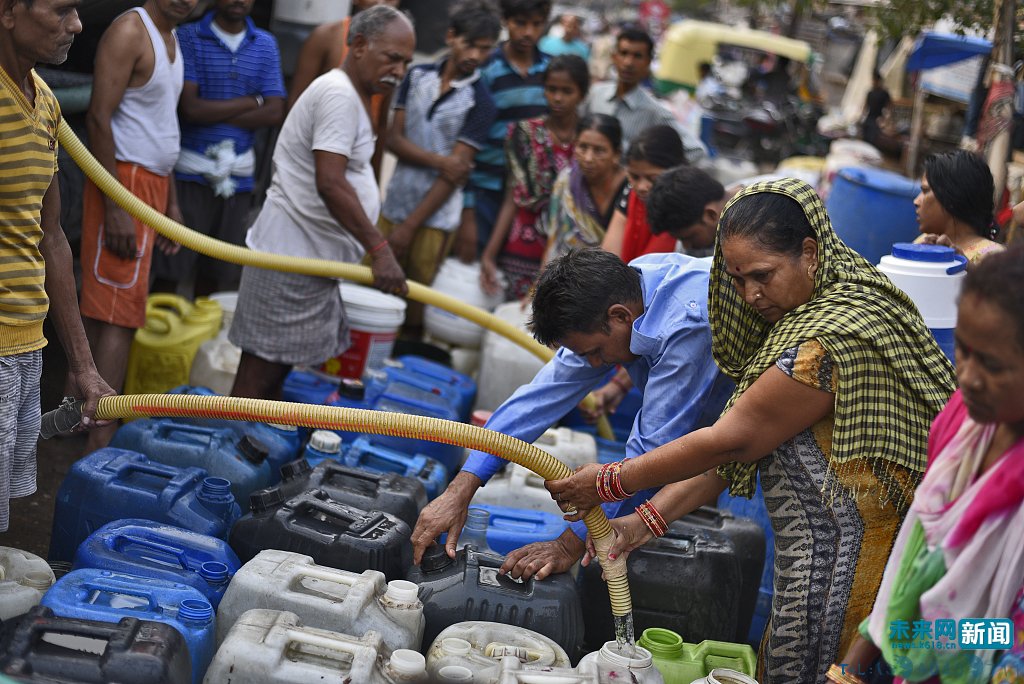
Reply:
x=233, y=88
x=650, y=317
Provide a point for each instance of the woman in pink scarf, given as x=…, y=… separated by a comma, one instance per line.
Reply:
x=960, y=552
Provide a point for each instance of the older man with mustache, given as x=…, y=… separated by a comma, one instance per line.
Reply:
x=323, y=202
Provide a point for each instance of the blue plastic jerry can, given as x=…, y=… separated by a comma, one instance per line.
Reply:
x=366, y=455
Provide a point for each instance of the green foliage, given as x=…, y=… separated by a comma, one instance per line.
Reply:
x=898, y=18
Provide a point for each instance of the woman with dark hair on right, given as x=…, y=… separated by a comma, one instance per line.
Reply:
x=837, y=380
x=955, y=205
x=959, y=553
x=656, y=150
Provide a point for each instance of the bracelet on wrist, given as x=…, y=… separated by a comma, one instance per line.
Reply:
x=609, y=483
x=835, y=674
x=379, y=246
x=259, y=100
x=652, y=518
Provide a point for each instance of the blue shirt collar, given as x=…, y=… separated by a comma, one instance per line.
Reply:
x=207, y=20
x=540, y=59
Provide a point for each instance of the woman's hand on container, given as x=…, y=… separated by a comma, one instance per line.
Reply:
x=387, y=274
x=576, y=494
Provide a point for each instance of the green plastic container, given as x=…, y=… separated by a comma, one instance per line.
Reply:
x=682, y=663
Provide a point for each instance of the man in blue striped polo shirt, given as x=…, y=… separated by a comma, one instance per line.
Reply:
x=514, y=74
x=233, y=87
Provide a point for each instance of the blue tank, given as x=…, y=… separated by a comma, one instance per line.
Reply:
x=349, y=394
x=283, y=442
x=401, y=398
x=511, y=528
x=871, y=209
x=218, y=450
x=366, y=455
x=142, y=547
x=754, y=509
x=445, y=375
x=107, y=596
x=111, y=484
x=395, y=371
x=308, y=387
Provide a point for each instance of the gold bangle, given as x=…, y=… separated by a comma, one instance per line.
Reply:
x=835, y=674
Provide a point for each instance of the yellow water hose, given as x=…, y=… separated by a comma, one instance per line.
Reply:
x=378, y=423
x=217, y=249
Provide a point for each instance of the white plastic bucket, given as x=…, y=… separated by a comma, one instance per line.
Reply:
x=374, y=319
x=461, y=281
x=931, y=275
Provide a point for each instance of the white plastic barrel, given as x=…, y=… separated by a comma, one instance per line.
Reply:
x=461, y=281
x=325, y=598
x=931, y=275
x=374, y=319
x=504, y=365
x=24, y=578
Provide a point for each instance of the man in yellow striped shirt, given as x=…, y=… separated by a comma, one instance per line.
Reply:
x=36, y=275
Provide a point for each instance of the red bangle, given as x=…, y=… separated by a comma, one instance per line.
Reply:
x=620, y=384
x=652, y=518
x=609, y=484
x=380, y=246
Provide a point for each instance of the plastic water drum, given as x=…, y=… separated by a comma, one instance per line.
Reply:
x=931, y=275
x=461, y=281
x=871, y=209
x=374, y=319
x=504, y=365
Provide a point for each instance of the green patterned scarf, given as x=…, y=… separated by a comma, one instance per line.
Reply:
x=893, y=378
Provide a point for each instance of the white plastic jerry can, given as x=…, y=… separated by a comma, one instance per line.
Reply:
x=572, y=447
x=325, y=598
x=274, y=647
x=628, y=664
x=24, y=578
x=479, y=647
x=514, y=671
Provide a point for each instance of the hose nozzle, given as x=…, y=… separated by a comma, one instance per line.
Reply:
x=64, y=418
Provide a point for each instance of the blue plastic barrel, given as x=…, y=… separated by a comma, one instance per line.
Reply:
x=283, y=442
x=754, y=509
x=324, y=445
x=366, y=455
x=142, y=547
x=871, y=209
x=465, y=385
x=217, y=450
x=106, y=596
x=511, y=528
x=110, y=484
x=377, y=381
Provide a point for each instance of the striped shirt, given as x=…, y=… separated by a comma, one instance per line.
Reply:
x=221, y=74
x=435, y=122
x=28, y=161
x=516, y=98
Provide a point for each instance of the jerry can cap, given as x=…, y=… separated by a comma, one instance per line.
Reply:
x=435, y=557
x=262, y=499
x=253, y=450
x=296, y=468
x=350, y=388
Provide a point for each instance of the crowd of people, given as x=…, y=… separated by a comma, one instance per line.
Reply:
x=893, y=482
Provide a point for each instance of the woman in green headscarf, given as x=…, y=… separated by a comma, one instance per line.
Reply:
x=838, y=379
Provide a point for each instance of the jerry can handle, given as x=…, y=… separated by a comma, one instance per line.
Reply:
x=298, y=637
x=176, y=552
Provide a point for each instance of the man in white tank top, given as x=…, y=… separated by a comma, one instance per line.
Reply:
x=133, y=131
